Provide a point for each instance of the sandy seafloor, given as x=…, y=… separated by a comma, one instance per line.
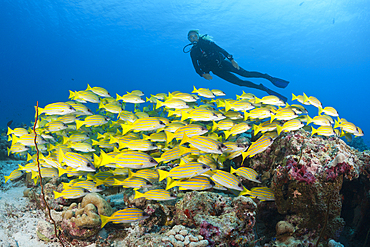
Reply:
x=17, y=221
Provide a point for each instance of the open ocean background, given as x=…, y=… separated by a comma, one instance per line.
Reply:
x=50, y=47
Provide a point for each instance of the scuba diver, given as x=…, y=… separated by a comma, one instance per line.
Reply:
x=207, y=56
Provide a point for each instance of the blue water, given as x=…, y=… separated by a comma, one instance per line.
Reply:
x=50, y=47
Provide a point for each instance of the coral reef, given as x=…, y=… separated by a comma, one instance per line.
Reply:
x=182, y=236
x=307, y=174
x=82, y=221
x=284, y=232
x=220, y=218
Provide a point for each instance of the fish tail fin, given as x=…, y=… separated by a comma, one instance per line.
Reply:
x=118, y=97
x=246, y=115
x=72, y=95
x=169, y=136
x=244, y=192
x=185, y=139
x=138, y=195
x=105, y=158
x=162, y=174
x=104, y=220
x=126, y=128
x=309, y=119
x=20, y=167
x=60, y=156
x=256, y=129
x=57, y=194
x=79, y=123
x=130, y=174
x=257, y=100
x=313, y=131
x=232, y=170
x=227, y=106
x=194, y=90
x=170, y=183
x=184, y=115
x=294, y=97
x=273, y=116
x=336, y=124
x=97, y=161
x=245, y=155
x=279, y=129
x=214, y=126
x=227, y=134
x=305, y=98
x=88, y=87
x=159, y=104
x=10, y=131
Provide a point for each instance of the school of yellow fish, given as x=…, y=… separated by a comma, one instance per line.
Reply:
x=188, y=135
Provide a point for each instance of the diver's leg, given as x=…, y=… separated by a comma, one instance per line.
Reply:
x=254, y=74
x=242, y=72
x=228, y=76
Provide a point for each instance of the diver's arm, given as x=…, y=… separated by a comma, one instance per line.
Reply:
x=196, y=65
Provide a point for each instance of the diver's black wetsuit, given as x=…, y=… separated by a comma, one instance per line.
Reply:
x=207, y=56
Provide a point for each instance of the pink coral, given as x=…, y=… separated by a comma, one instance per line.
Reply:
x=300, y=172
x=207, y=230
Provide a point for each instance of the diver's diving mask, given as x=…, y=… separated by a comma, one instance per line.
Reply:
x=193, y=37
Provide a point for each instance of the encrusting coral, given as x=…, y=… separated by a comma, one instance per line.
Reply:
x=284, y=232
x=82, y=221
x=220, y=218
x=306, y=172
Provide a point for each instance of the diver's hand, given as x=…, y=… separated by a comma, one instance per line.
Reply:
x=235, y=64
x=207, y=76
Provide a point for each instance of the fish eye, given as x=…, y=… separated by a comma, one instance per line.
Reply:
x=151, y=160
x=222, y=145
x=239, y=185
x=204, y=129
x=161, y=123
x=88, y=165
x=204, y=167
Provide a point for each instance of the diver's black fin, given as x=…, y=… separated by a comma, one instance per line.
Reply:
x=279, y=82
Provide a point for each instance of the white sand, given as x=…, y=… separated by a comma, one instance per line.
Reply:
x=17, y=221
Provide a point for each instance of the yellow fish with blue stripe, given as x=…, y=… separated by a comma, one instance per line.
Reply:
x=261, y=193
x=71, y=193
x=76, y=161
x=143, y=124
x=94, y=120
x=102, y=92
x=84, y=96
x=58, y=108
x=205, y=92
x=246, y=172
x=157, y=195
x=227, y=180
x=187, y=170
x=290, y=125
x=258, y=146
x=205, y=144
x=13, y=175
x=194, y=183
x=129, y=159
x=127, y=215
